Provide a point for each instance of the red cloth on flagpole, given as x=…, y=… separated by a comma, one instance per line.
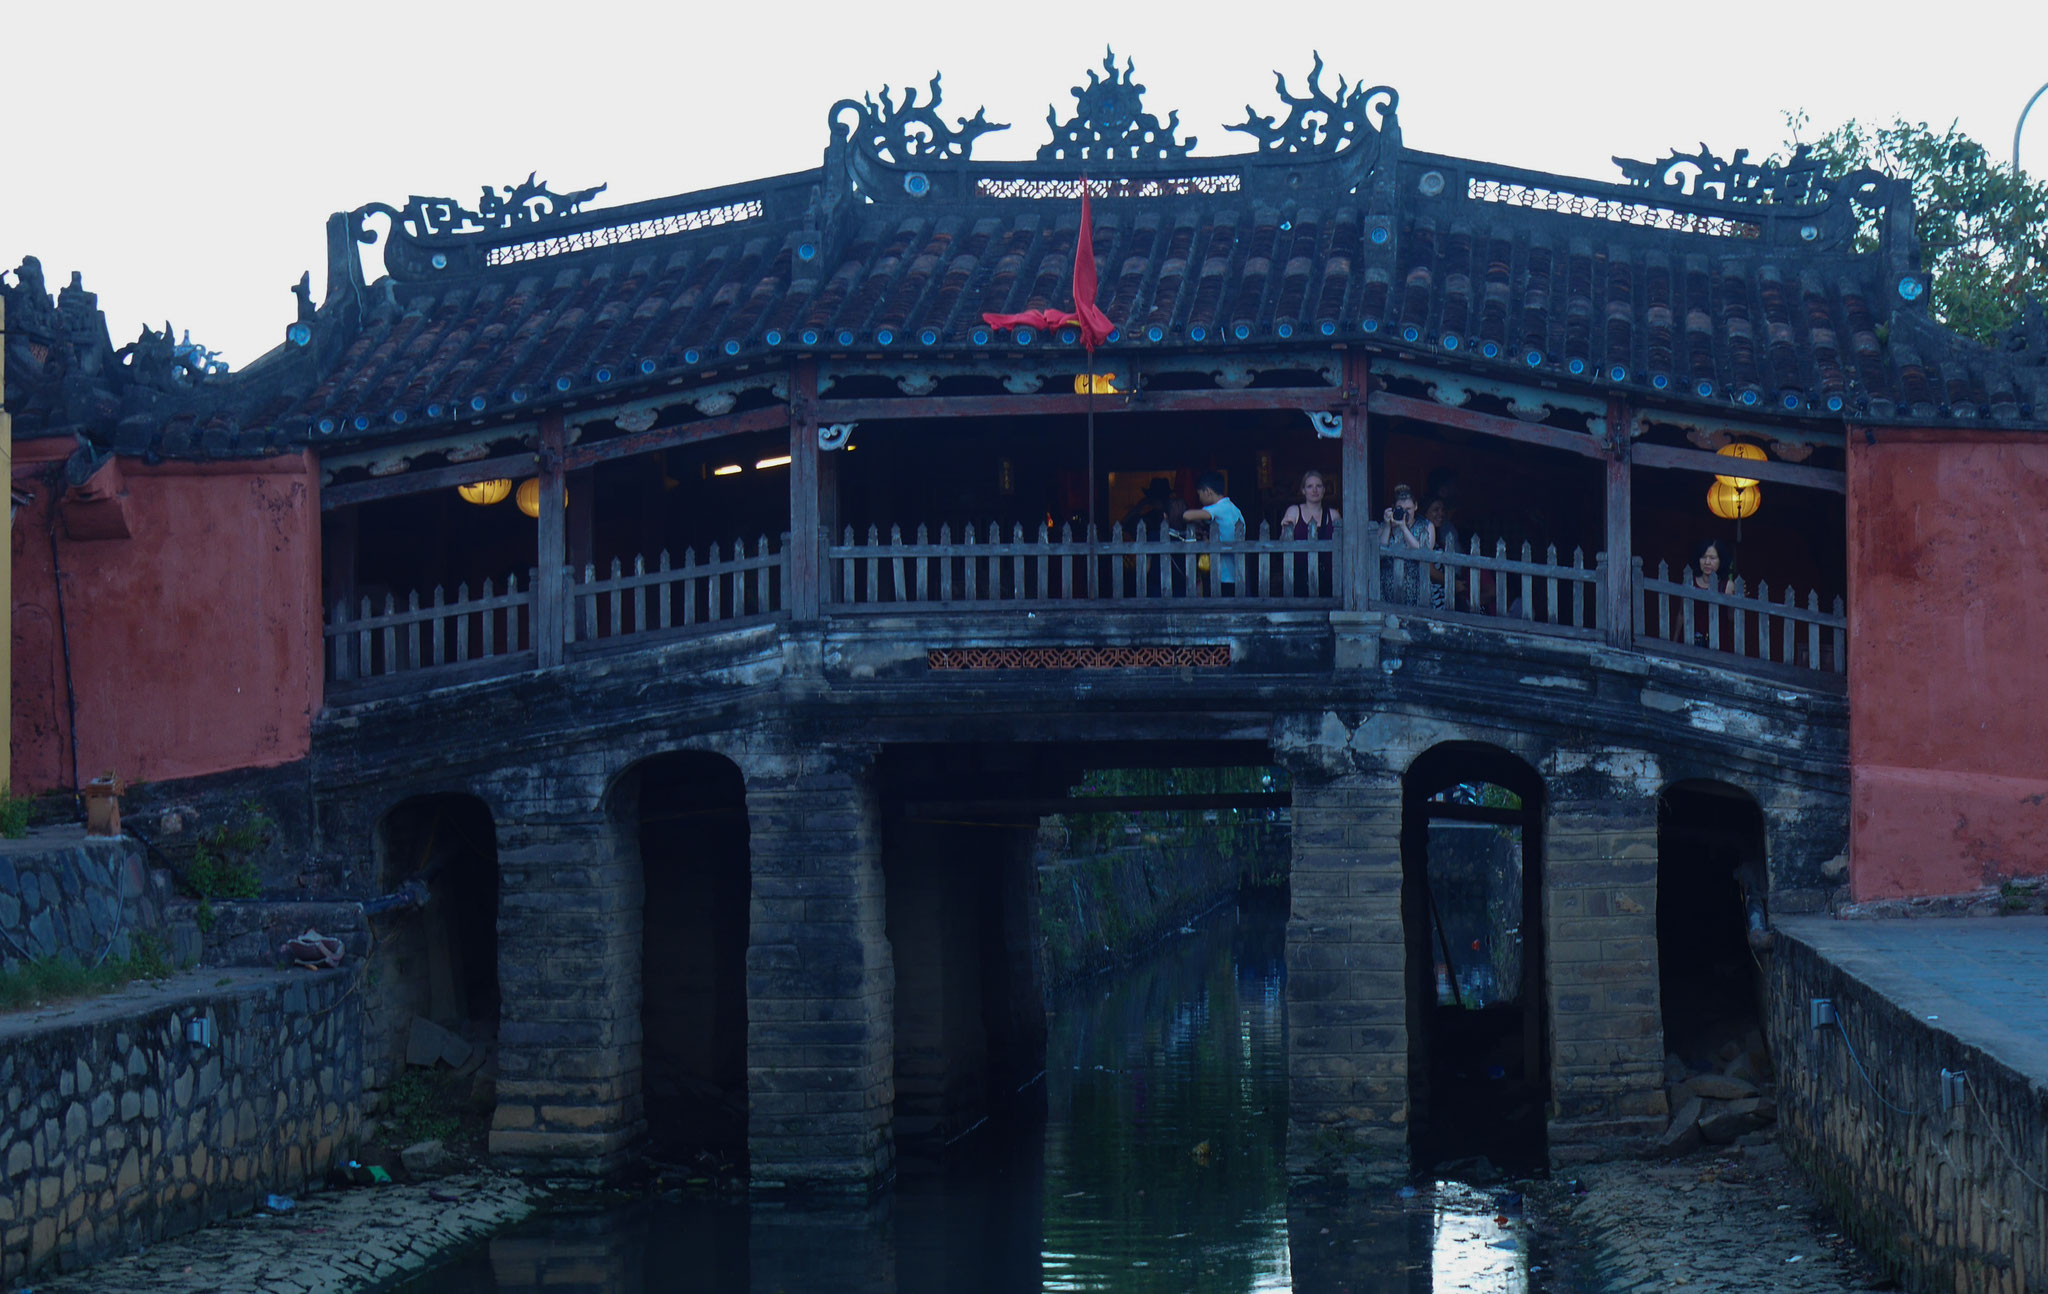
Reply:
x=1095, y=325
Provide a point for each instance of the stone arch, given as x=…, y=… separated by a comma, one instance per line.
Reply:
x=1472, y=901
x=1712, y=921
x=680, y=818
x=438, y=959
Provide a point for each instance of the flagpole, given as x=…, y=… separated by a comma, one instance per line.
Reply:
x=1091, y=445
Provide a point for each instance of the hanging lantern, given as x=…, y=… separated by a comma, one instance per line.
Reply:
x=485, y=493
x=1732, y=502
x=1095, y=383
x=1738, y=449
x=529, y=496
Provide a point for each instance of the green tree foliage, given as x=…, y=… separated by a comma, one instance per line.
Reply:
x=1983, y=225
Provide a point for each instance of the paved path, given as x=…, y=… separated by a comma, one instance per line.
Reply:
x=1734, y=1221
x=333, y=1242
x=1977, y=978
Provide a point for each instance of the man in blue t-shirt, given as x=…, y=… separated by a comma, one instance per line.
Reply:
x=1226, y=523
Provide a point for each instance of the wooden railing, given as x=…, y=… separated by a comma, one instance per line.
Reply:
x=1679, y=617
x=1524, y=591
x=982, y=568
x=364, y=642
x=718, y=591
x=495, y=631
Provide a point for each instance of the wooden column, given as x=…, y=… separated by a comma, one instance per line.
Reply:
x=805, y=566
x=1615, y=593
x=1356, y=560
x=550, y=586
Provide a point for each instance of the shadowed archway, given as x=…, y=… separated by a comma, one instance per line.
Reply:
x=440, y=959
x=687, y=814
x=1471, y=901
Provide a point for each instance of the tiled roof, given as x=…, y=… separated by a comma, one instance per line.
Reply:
x=1676, y=298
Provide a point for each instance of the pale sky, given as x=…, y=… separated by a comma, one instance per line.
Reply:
x=185, y=157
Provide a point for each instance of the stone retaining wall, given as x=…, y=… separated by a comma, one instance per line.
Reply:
x=1928, y=1191
x=118, y=1131
x=1098, y=912
x=64, y=894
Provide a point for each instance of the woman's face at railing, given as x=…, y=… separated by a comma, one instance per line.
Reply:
x=1437, y=513
x=1312, y=488
x=1710, y=560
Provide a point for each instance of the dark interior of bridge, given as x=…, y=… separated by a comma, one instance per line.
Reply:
x=1028, y=470
x=1471, y=853
x=441, y=960
x=964, y=860
x=690, y=810
x=1710, y=847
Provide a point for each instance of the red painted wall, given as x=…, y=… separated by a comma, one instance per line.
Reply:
x=195, y=642
x=1948, y=662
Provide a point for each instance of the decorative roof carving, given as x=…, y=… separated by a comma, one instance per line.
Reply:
x=1700, y=175
x=1321, y=123
x=2025, y=342
x=909, y=133
x=1110, y=123
x=523, y=205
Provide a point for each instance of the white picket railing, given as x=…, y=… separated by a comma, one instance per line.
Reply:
x=364, y=642
x=1528, y=591
x=716, y=591
x=983, y=568
x=1678, y=616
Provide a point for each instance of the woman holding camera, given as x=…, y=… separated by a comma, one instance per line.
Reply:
x=1401, y=580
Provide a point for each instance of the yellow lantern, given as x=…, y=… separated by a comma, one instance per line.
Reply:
x=1738, y=449
x=484, y=493
x=1733, y=502
x=1095, y=383
x=529, y=496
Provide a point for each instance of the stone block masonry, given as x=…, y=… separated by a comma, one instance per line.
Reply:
x=1600, y=933
x=1347, y=1037
x=821, y=977
x=569, y=1094
x=63, y=894
x=1950, y=1195
x=118, y=1131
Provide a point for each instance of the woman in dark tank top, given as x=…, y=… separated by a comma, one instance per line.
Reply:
x=1311, y=519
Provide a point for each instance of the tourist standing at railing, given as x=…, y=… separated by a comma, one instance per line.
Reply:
x=1226, y=523
x=1401, y=528
x=1148, y=517
x=1311, y=518
x=1706, y=577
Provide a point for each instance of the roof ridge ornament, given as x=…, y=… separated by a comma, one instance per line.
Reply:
x=1321, y=123
x=523, y=205
x=1110, y=123
x=909, y=133
x=1800, y=181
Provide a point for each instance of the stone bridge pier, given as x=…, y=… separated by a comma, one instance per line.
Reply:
x=1365, y=957
x=866, y=969
x=804, y=937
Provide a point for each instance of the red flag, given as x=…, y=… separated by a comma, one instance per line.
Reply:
x=1095, y=325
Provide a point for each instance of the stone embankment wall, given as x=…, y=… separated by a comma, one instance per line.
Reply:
x=1097, y=911
x=1933, y=1193
x=64, y=894
x=119, y=1131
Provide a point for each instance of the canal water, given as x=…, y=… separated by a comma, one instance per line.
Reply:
x=1160, y=1167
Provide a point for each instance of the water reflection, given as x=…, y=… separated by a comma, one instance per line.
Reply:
x=1159, y=1168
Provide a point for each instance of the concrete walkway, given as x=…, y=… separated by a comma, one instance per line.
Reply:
x=1979, y=979
x=332, y=1242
